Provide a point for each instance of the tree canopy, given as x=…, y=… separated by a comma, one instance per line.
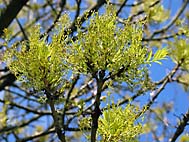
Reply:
x=83, y=70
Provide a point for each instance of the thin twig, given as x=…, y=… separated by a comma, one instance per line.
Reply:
x=12, y=128
x=121, y=7
x=166, y=27
x=26, y=108
x=163, y=82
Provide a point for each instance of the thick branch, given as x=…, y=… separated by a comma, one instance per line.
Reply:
x=78, y=9
x=7, y=81
x=58, y=127
x=8, y=15
x=97, y=112
x=180, y=127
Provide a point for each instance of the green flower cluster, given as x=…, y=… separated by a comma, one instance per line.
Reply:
x=104, y=45
x=36, y=63
x=118, y=124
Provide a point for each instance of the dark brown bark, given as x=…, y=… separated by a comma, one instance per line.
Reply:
x=10, y=13
x=7, y=81
x=6, y=17
x=97, y=112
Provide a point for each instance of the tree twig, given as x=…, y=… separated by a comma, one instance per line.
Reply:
x=180, y=127
x=166, y=27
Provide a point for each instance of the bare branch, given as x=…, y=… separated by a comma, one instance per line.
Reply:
x=26, y=108
x=180, y=127
x=12, y=128
x=166, y=27
x=121, y=7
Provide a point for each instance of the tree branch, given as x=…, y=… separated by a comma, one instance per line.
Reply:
x=166, y=27
x=8, y=15
x=56, y=19
x=163, y=82
x=180, y=127
x=67, y=100
x=97, y=112
x=12, y=128
x=58, y=127
x=163, y=37
x=7, y=81
x=121, y=7
x=142, y=11
x=86, y=15
x=26, y=108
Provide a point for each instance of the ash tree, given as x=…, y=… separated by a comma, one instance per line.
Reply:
x=78, y=78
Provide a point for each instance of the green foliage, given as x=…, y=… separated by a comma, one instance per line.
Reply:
x=154, y=11
x=100, y=44
x=118, y=124
x=184, y=138
x=104, y=46
x=159, y=55
x=184, y=80
x=85, y=126
x=37, y=63
x=157, y=13
x=107, y=46
x=180, y=52
x=3, y=115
